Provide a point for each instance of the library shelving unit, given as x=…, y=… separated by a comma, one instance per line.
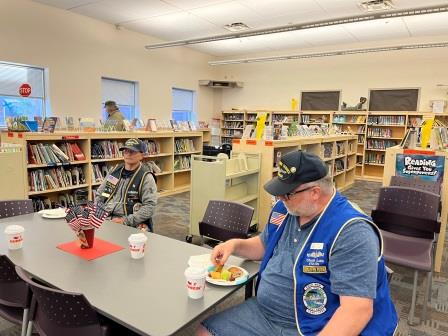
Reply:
x=250, y=117
x=185, y=145
x=100, y=152
x=232, y=126
x=384, y=130
x=316, y=117
x=338, y=151
x=286, y=117
x=353, y=122
x=235, y=179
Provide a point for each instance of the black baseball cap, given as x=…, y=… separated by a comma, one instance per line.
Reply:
x=135, y=145
x=110, y=103
x=294, y=169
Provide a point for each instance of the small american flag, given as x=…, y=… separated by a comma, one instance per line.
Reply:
x=277, y=218
x=98, y=216
x=72, y=221
x=85, y=218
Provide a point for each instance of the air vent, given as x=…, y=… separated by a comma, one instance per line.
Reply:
x=376, y=5
x=215, y=84
x=236, y=27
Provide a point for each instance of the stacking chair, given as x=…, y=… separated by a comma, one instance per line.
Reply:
x=224, y=220
x=407, y=218
x=431, y=186
x=15, y=296
x=55, y=313
x=15, y=208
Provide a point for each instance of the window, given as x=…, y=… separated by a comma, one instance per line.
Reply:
x=12, y=102
x=183, y=105
x=124, y=93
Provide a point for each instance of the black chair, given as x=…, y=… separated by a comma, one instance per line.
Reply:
x=408, y=219
x=15, y=208
x=416, y=183
x=58, y=313
x=224, y=220
x=15, y=296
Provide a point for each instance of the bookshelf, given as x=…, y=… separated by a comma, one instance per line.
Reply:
x=232, y=125
x=81, y=175
x=235, y=179
x=316, y=117
x=334, y=150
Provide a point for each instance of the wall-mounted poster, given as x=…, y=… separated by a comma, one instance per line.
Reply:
x=426, y=167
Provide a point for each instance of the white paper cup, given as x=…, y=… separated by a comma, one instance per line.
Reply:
x=14, y=235
x=195, y=281
x=137, y=245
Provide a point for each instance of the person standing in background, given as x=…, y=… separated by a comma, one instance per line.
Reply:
x=114, y=116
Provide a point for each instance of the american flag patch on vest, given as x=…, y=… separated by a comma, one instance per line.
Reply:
x=277, y=218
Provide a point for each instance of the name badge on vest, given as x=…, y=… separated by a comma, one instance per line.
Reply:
x=111, y=183
x=316, y=259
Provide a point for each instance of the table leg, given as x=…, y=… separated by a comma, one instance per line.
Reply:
x=249, y=289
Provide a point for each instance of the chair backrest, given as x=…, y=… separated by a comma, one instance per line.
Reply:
x=224, y=220
x=407, y=211
x=14, y=292
x=56, y=312
x=416, y=183
x=15, y=208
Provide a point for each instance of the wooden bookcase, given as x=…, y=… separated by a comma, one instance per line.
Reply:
x=169, y=181
x=271, y=151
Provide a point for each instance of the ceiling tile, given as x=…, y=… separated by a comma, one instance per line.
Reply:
x=399, y=4
x=66, y=4
x=175, y=26
x=378, y=29
x=269, y=8
x=341, y=8
x=118, y=11
x=431, y=24
x=192, y=4
x=326, y=36
x=226, y=13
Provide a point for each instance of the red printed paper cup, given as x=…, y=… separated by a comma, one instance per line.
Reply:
x=90, y=237
x=14, y=236
x=195, y=280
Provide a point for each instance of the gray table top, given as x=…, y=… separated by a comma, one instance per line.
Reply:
x=147, y=295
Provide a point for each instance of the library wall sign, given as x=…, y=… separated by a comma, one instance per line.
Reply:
x=425, y=167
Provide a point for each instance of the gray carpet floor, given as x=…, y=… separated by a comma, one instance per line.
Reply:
x=172, y=220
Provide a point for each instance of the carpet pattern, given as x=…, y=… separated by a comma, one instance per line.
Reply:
x=172, y=220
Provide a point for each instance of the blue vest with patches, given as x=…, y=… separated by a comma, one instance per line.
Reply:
x=315, y=304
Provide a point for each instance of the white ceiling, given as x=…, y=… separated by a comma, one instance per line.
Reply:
x=183, y=19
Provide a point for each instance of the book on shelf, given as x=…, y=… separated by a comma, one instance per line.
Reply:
x=182, y=162
x=49, y=124
x=52, y=154
x=192, y=126
x=106, y=149
x=203, y=124
x=137, y=123
x=248, y=132
x=153, y=147
x=174, y=125
x=55, y=178
x=184, y=145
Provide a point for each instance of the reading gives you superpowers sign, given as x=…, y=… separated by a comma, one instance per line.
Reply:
x=429, y=168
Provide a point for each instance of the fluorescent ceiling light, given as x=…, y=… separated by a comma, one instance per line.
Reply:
x=331, y=53
x=302, y=26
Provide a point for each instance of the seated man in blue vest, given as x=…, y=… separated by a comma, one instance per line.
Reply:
x=322, y=271
x=130, y=191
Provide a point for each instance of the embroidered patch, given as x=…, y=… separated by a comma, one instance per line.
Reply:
x=277, y=218
x=315, y=298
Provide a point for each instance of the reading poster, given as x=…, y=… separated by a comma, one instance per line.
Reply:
x=424, y=167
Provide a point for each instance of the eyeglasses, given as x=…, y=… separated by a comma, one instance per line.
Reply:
x=289, y=195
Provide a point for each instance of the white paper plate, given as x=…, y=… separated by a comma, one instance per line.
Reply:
x=53, y=213
x=242, y=279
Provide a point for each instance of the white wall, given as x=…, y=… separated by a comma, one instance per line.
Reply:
x=79, y=50
x=273, y=84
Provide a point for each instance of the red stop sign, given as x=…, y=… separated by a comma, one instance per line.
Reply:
x=25, y=90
